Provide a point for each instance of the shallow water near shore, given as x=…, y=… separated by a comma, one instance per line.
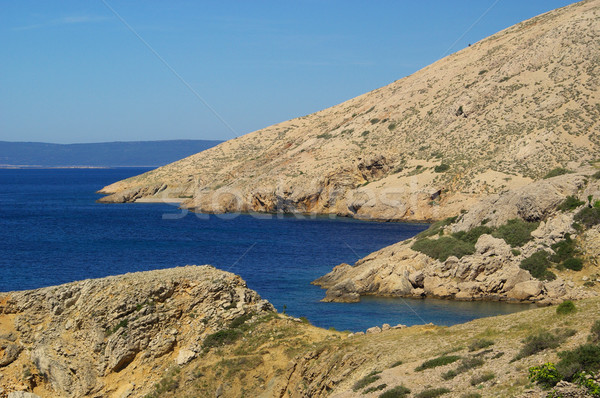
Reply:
x=53, y=232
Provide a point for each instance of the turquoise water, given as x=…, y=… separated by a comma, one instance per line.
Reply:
x=52, y=231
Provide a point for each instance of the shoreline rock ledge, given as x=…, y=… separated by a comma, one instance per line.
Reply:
x=98, y=337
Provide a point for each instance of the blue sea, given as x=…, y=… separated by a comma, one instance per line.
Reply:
x=52, y=231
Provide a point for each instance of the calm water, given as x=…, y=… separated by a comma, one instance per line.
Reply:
x=53, y=232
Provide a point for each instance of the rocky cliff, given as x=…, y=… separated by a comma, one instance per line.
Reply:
x=501, y=249
x=493, y=116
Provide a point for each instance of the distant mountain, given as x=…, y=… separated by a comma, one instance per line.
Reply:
x=105, y=154
x=494, y=116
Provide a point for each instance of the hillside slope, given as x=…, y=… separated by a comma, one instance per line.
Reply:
x=495, y=115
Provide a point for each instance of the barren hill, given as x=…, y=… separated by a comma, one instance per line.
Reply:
x=493, y=116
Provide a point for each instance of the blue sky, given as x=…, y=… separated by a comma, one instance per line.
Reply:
x=72, y=71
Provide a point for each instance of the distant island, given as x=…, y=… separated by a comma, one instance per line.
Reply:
x=105, y=154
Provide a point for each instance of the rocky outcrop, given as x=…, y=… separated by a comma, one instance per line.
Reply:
x=379, y=155
x=79, y=336
x=493, y=271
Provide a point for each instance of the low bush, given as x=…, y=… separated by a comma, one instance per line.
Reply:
x=596, y=175
x=482, y=378
x=563, y=250
x=574, y=264
x=585, y=358
x=537, y=264
x=444, y=247
x=595, y=333
x=516, y=232
x=436, y=227
x=465, y=365
x=396, y=392
x=376, y=388
x=566, y=307
x=439, y=361
x=570, y=203
x=479, y=344
x=365, y=381
x=588, y=217
x=538, y=342
x=441, y=168
x=221, y=338
x=545, y=375
x=473, y=234
x=395, y=364
x=557, y=172
x=433, y=392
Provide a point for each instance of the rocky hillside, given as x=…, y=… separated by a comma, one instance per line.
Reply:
x=199, y=332
x=527, y=244
x=496, y=115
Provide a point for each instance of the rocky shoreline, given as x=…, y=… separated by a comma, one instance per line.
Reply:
x=493, y=270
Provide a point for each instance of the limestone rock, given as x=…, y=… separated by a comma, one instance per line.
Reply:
x=184, y=357
x=525, y=290
x=374, y=330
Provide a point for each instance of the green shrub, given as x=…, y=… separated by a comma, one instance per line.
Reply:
x=365, y=381
x=452, y=373
x=396, y=392
x=376, y=388
x=395, y=364
x=222, y=337
x=515, y=252
x=374, y=120
x=325, y=136
x=365, y=133
x=465, y=365
x=482, y=378
x=516, y=232
x=435, y=228
x=557, y=172
x=479, y=344
x=439, y=361
x=545, y=375
x=441, y=168
x=588, y=217
x=563, y=250
x=570, y=203
x=432, y=392
x=596, y=175
x=574, y=264
x=537, y=264
x=589, y=383
x=443, y=247
x=473, y=234
x=538, y=342
x=585, y=358
x=392, y=126
x=566, y=307
x=595, y=333
x=240, y=320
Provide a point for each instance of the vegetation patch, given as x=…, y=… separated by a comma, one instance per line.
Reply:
x=433, y=392
x=375, y=388
x=473, y=234
x=566, y=307
x=365, y=381
x=436, y=227
x=480, y=344
x=557, y=172
x=443, y=247
x=441, y=168
x=482, y=378
x=465, y=365
x=325, y=136
x=570, y=203
x=439, y=361
x=396, y=392
x=541, y=341
x=516, y=232
x=588, y=217
x=537, y=264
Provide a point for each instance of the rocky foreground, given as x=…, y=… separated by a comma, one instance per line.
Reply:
x=487, y=255
x=200, y=332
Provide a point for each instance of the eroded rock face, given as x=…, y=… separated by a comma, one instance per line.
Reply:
x=76, y=334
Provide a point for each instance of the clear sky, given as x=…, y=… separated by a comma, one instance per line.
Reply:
x=72, y=71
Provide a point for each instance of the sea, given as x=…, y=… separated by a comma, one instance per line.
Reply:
x=52, y=231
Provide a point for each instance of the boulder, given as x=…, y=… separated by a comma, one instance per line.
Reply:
x=374, y=330
x=525, y=290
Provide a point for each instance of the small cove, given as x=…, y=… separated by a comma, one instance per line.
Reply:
x=53, y=232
